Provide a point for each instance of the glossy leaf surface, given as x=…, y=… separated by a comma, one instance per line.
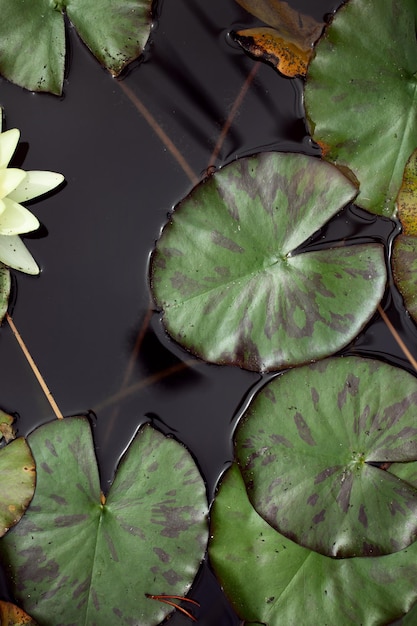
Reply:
x=11, y=615
x=404, y=267
x=361, y=95
x=231, y=284
x=148, y=538
x=5, y=285
x=17, y=484
x=307, y=448
x=32, y=37
x=272, y=580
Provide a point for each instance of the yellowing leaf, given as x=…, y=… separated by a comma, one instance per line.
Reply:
x=407, y=197
x=6, y=429
x=266, y=43
x=11, y=615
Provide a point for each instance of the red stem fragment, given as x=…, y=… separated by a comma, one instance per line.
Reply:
x=163, y=598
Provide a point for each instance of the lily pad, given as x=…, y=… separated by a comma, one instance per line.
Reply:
x=6, y=427
x=309, y=448
x=361, y=95
x=17, y=485
x=149, y=537
x=404, y=268
x=11, y=615
x=5, y=284
x=232, y=284
x=32, y=37
x=273, y=581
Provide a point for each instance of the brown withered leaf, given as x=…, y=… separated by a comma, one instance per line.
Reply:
x=407, y=197
x=287, y=43
x=11, y=615
x=266, y=44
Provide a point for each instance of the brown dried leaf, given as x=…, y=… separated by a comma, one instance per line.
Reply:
x=407, y=197
x=293, y=26
x=266, y=43
x=11, y=615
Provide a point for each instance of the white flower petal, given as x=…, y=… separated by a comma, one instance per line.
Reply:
x=8, y=143
x=10, y=179
x=35, y=184
x=14, y=253
x=16, y=220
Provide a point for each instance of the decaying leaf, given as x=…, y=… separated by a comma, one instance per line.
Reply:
x=6, y=428
x=288, y=42
x=17, y=484
x=407, y=197
x=11, y=615
x=269, y=46
x=404, y=269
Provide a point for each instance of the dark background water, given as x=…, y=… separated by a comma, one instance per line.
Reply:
x=81, y=318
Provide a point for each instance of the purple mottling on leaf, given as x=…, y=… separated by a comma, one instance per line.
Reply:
x=95, y=600
x=303, y=429
x=362, y=517
x=315, y=396
x=185, y=285
x=36, y=567
x=153, y=466
x=111, y=547
x=360, y=421
x=225, y=242
x=174, y=520
x=312, y=500
x=117, y=612
x=81, y=589
x=162, y=555
x=343, y=498
x=172, y=577
x=350, y=388
x=63, y=521
x=46, y=468
x=395, y=507
x=132, y=530
x=281, y=440
x=268, y=393
x=50, y=446
x=319, y=517
x=268, y=458
x=173, y=492
x=58, y=499
x=329, y=471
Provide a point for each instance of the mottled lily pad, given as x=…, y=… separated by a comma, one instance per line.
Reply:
x=17, y=484
x=93, y=562
x=310, y=448
x=11, y=615
x=5, y=284
x=273, y=581
x=361, y=95
x=32, y=37
x=232, y=284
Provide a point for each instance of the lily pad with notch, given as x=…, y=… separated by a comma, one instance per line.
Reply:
x=312, y=448
x=271, y=580
x=32, y=37
x=361, y=95
x=147, y=538
x=235, y=286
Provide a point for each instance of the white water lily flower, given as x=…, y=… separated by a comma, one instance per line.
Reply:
x=18, y=186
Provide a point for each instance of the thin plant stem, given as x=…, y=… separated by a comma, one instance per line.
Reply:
x=34, y=368
x=397, y=338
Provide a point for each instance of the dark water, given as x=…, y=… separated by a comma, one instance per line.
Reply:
x=80, y=319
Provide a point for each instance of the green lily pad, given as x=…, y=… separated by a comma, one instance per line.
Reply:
x=270, y=579
x=11, y=615
x=307, y=448
x=149, y=537
x=361, y=95
x=32, y=37
x=404, y=268
x=5, y=284
x=231, y=283
x=17, y=485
